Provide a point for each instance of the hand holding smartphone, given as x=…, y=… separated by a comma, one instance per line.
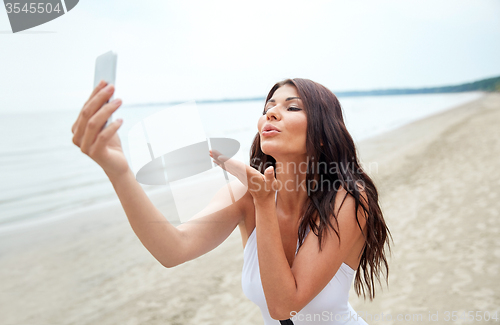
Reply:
x=105, y=69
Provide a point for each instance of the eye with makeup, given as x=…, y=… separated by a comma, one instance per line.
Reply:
x=292, y=108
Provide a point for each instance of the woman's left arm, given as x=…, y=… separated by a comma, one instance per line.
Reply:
x=278, y=280
x=288, y=289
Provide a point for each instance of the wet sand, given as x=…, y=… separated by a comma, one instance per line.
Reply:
x=438, y=180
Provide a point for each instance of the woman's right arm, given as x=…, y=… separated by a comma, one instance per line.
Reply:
x=171, y=246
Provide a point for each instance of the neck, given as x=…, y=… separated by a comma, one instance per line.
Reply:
x=292, y=187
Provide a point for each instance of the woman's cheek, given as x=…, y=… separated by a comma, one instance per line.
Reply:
x=260, y=122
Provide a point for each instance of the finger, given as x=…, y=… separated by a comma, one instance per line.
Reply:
x=95, y=103
x=256, y=179
x=233, y=166
x=105, y=135
x=218, y=156
x=99, y=86
x=269, y=175
x=271, y=180
x=95, y=124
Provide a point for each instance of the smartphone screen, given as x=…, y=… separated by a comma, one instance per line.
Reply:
x=105, y=69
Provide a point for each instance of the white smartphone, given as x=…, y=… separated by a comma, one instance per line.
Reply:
x=105, y=69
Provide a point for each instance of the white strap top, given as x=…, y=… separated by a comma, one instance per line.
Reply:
x=330, y=306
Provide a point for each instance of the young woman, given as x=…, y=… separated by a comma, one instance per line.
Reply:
x=304, y=175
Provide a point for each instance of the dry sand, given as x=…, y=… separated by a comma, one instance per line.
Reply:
x=438, y=182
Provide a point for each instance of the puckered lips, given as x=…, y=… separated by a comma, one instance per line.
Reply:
x=269, y=130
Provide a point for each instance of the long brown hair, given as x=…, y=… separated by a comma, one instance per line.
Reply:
x=325, y=125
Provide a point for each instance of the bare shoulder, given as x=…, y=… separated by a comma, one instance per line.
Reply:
x=353, y=222
x=345, y=198
x=246, y=207
x=238, y=195
x=345, y=207
x=242, y=195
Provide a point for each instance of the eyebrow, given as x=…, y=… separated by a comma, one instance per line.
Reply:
x=289, y=98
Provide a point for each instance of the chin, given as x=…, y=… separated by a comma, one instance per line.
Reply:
x=268, y=149
x=265, y=148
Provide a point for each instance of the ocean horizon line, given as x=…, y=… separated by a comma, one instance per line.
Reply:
x=484, y=85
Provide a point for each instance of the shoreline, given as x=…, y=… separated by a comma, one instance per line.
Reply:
x=83, y=269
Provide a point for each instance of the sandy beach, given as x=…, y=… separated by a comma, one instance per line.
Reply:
x=439, y=183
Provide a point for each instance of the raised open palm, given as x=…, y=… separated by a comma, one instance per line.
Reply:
x=260, y=185
x=103, y=145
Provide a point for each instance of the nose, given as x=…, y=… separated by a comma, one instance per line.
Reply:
x=272, y=112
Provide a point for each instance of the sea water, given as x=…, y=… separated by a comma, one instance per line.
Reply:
x=43, y=173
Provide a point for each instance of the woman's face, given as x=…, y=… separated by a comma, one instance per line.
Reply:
x=284, y=111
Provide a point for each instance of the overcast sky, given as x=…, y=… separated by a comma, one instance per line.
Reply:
x=184, y=50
